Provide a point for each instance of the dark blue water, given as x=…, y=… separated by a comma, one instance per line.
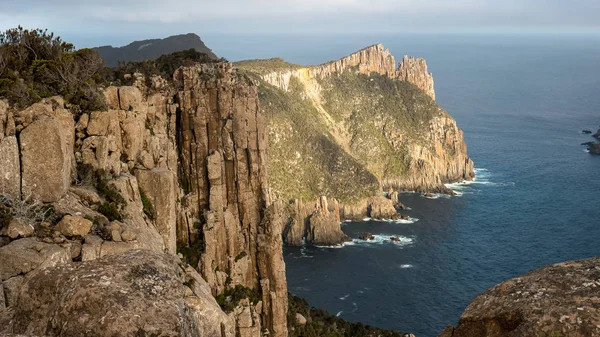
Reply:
x=522, y=102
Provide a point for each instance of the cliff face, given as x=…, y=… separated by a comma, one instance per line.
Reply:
x=352, y=128
x=415, y=71
x=175, y=168
x=556, y=300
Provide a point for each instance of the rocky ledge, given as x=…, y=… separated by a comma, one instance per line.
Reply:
x=557, y=300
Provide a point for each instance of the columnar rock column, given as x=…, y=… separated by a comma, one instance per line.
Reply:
x=222, y=146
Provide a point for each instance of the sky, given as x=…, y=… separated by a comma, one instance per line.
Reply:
x=118, y=22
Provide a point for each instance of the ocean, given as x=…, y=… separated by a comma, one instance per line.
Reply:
x=522, y=102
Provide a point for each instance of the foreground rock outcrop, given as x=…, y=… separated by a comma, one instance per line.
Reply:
x=139, y=293
x=556, y=300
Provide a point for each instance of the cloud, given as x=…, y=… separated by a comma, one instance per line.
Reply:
x=124, y=19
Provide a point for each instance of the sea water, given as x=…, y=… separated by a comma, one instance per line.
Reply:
x=522, y=102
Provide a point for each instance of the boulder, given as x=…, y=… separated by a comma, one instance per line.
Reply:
x=366, y=236
x=10, y=168
x=160, y=189
x=300, y=320
x=557, y=300
x=19, y=228
x=72, y=226
x=586, y=132
x=394, y=239
x=11, y=289
x=24, y=255
x=593, y=147
x=102, y=153
x=90, y=250
x=597, y=134
x=45, y=160
x=129, y=98
x=380, y=207
x=324, y=230
x=138, y=293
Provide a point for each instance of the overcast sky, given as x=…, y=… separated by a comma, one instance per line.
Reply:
x=117, y=22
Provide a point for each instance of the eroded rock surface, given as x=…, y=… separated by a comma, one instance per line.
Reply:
x=135, y=293
x=557, y=300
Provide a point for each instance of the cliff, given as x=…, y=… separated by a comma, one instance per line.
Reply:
x=556, y=300
x=353, y=128
x=170, y=167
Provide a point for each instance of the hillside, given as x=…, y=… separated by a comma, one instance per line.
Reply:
x=150, y=49
x=349, y=129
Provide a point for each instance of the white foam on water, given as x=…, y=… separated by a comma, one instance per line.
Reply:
x=355, y=307
x=405, y=266
x=586, y=150
x=482, y=176
x=303, y=254
x=402, y=221
x=367, y=219
x=344, y=297
x=385, y=239
x=338, y=314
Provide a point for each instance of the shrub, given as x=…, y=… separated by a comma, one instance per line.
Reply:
x=163, y=66
x=231, y=297
x=35, y=64
x=30, y=209
x=110, y=210
x=240, y=256
x=147, y=203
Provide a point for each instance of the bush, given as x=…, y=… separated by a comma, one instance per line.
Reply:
x=111, y=211
x=35, y=64
x=147, y=203
x=230, y=299
x=163, y=66
x=29, y=209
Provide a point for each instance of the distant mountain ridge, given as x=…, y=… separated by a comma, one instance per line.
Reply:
x=151, y=49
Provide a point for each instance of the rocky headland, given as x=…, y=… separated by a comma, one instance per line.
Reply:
x=351, y=129
x=557, y=300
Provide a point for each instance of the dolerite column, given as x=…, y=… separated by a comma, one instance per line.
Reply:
x=222, y=145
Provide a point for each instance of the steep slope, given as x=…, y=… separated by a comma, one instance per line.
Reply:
x=372, y=126
x=151, y=49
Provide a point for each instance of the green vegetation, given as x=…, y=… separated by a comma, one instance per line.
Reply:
x=163, y=66
x=192, y=253
x=240, y=256
x=305, y=161
x=147, y=203
x=358, y=133
x=35, y=64
x=266, y=66
x=113, y=202
x=321, y=323
x=382, y=116
x=230, y=299
x=111, y=211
